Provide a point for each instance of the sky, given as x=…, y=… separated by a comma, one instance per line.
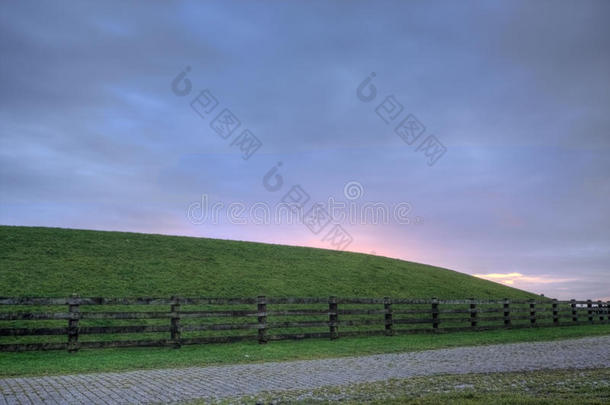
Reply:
x=472, y=135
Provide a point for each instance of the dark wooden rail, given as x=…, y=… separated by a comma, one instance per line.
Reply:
x=178, y=321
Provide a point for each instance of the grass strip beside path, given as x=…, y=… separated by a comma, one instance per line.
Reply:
x=552, y=387
x=104, y=360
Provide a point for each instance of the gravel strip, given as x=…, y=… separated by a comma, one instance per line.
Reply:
x=171, y=385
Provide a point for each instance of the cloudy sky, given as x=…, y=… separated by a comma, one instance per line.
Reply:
x=505, y=173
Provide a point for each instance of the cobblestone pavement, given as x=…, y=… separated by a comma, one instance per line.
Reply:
x=171, y=385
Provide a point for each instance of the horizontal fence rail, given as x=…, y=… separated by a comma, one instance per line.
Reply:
x=74, y=323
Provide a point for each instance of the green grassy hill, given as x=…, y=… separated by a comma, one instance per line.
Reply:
x=58, y=262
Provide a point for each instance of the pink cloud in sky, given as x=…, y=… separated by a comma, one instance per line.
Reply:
x=521, y=280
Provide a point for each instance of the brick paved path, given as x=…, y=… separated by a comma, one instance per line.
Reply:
x=149, y=386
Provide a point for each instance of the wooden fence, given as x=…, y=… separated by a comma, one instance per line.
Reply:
x=74, y=323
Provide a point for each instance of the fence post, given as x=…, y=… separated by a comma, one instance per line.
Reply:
x=389, y=323
x=74, y=310
x=175, y=322
x=590, y=310
x=473, y=313
x=600, y=309
x=574, y=311
x=262, y=319
x=532, y=312
x=555, y=313
x=608, y=312
x=333, y=318
x=435, y=320
x=507, y=321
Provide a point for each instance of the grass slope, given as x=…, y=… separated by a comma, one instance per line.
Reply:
x=56, y=262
